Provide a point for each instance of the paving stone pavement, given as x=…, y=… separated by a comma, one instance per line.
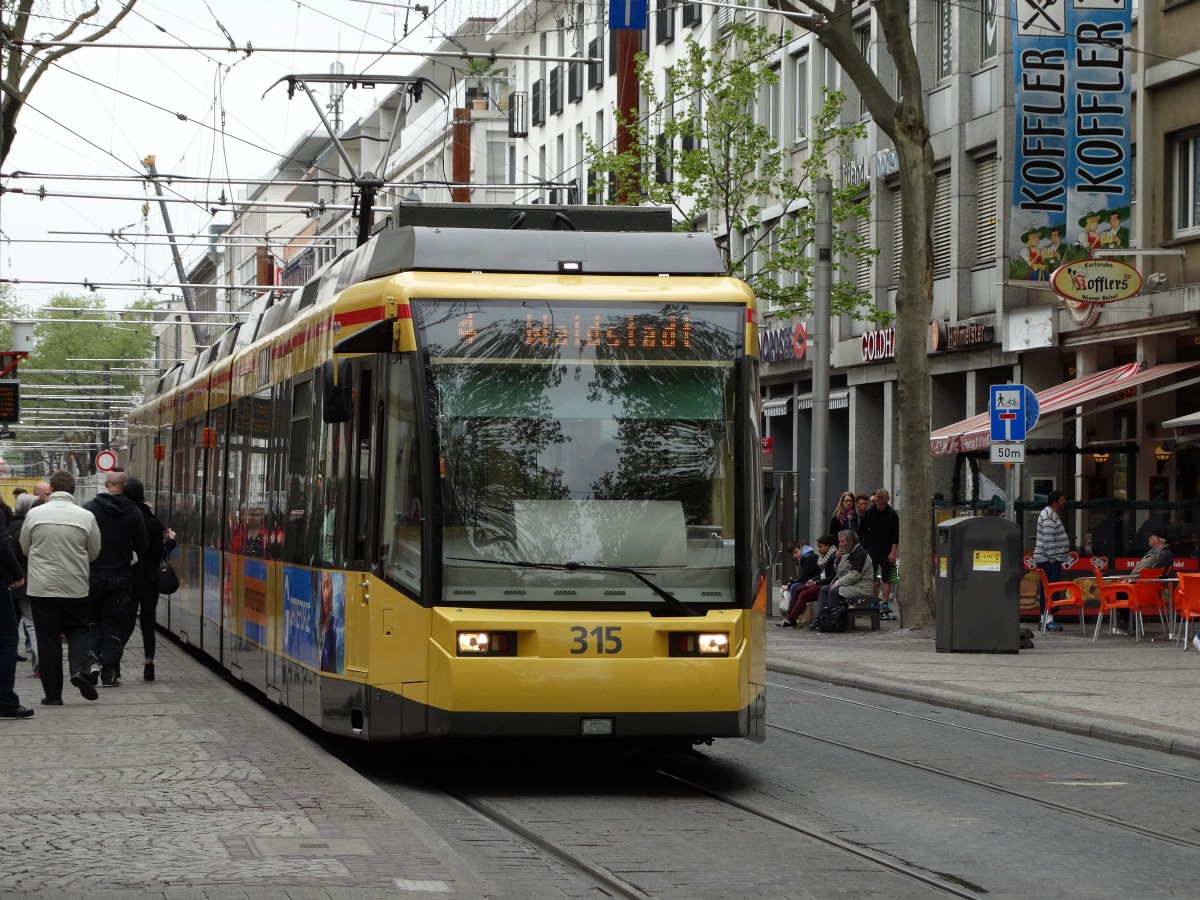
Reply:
x=186, y=788
x=1135, y=692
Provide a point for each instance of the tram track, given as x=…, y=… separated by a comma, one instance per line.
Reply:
x=604, y=880
x=1103, y=818
x=940, y=881
x=583, y=869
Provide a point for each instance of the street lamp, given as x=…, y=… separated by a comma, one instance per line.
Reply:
x=1163, y=455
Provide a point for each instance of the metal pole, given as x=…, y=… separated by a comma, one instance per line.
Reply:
x=188, y=299
x=819, y=346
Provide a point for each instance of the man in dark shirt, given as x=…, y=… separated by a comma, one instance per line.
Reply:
x=881, y=537
x=122, y=534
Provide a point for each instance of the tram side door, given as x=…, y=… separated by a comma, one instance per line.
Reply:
x=364, y=503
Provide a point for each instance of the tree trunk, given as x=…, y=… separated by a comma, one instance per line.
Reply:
x=914, y=306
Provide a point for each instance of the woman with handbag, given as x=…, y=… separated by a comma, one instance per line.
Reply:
x=160, y=541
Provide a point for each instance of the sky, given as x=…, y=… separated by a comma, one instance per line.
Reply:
x=201, y=113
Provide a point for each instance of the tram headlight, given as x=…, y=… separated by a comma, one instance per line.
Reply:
x=715, y=644
x=471, y=643
x=691, y=643
x=487, y=643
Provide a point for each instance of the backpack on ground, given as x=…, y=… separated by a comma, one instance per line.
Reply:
x=832, y=619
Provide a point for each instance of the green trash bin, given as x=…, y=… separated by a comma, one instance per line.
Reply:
x=977, y=585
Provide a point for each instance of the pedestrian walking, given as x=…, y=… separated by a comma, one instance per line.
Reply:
x=1051, y=549
x=160, y=541
x=41, y=492
x=21, y=607
x=11, y=575
x=110, y=599
x=60, y=539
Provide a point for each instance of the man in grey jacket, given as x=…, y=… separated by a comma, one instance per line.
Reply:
x=60, y=540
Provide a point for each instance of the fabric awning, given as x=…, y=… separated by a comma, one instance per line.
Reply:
x=1188, y=421
x=776, y=407
x=975, y=433
x=837, y=400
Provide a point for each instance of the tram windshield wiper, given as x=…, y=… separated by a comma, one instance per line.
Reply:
x=670, y=600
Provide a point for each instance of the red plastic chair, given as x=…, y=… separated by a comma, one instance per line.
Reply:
x=1073, y=600
x=1187, y=602
x=1116, y=595
x=1150, y=596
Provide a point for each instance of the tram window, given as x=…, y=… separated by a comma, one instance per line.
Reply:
x=299, y=478
x=178, y=489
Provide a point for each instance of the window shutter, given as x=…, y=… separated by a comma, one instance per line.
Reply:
x=496, y=162
x=574, y=82
x=538, y=102
x=518, y=114
x=595, y=70
x=665, y=22
x=556, y=90
x=986, y=223
x=862, y=264
x=941, y=225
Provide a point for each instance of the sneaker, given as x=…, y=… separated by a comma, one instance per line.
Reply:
x=784, y=624
x=85, y=685
x=52, y=701
x=93, y=672
x=16, y=712
x=148, y=672
x=889, y=617
x=1053, y=626
x=1196, y=642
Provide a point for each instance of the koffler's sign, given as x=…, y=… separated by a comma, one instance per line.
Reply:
x=1096, y=281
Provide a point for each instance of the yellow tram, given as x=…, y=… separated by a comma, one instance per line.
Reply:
x=493, y=472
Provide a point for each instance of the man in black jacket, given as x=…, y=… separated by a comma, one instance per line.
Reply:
x=881, y=537
x=122, y=534
x=11, y=575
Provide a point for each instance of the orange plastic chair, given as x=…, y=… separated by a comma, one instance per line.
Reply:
x=1073, y=600
x=1187, y=602
x=1115, y=595
x=1150, y=596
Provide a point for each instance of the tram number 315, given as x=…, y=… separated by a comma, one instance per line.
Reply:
x=600, y=640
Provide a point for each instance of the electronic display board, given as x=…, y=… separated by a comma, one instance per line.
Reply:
x=10, y=401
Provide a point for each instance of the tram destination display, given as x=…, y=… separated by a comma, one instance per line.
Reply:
x=560, y=331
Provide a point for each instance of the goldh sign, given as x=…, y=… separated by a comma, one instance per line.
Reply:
x=1096, y=281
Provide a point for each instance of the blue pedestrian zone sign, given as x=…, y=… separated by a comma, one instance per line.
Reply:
x=1013, y=411
x=629, y=15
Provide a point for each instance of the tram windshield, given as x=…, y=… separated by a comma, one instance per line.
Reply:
x=596, y=435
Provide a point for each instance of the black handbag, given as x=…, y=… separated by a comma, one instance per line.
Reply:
x=168, y=581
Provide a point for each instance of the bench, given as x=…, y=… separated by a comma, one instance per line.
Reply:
x=872, y=613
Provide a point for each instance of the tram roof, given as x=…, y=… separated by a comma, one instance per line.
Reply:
x=534, y=239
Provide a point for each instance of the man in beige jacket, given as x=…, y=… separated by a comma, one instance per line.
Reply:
x=60, y=540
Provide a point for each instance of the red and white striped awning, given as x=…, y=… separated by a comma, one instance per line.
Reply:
x=975, y=433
